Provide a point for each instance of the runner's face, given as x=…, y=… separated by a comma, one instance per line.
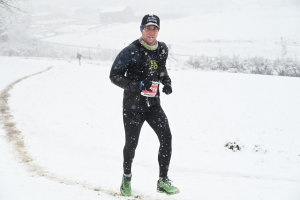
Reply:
x=149, y=34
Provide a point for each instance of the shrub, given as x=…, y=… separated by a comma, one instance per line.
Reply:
x=255, y=65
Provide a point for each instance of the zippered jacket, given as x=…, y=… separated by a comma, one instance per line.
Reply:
x=135, y=63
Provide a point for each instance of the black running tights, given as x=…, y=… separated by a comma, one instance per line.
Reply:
x=157, y=119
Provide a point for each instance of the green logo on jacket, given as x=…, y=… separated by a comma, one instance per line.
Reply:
x=153, y=65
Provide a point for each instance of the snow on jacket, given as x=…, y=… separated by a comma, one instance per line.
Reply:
x=134, y=64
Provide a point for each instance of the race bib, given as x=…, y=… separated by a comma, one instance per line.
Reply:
x=153, y=87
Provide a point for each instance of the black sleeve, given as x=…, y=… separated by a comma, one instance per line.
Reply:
x=165, y=78
x=126, y=58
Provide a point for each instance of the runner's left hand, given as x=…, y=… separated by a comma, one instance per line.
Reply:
x=167, y=89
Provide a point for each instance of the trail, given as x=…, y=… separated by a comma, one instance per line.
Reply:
x=15, y=138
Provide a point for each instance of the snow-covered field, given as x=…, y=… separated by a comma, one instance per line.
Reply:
x=246, y=33
x=71, y=136
x=17, y=181
x=61, y=134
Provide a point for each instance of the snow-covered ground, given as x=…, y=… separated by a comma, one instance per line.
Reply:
x=246, y=33
x=17, y=182
x=69, y=135
x=61, y=134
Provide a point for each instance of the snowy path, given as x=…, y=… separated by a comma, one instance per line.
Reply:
x=17, y=181
x=70, y=123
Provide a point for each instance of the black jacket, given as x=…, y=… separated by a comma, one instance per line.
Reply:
x=134, y=64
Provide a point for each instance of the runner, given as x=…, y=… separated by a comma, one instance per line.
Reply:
x=139, y=69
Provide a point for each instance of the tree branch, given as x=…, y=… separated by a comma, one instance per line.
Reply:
x=9, y=5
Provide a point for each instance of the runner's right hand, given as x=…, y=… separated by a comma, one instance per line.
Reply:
x=145, y=85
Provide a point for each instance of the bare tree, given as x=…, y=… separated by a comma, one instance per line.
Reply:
x=9, y=5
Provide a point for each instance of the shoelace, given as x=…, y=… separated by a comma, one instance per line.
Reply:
x=168, y=181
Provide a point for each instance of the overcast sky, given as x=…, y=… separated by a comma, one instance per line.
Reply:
x=169, y=6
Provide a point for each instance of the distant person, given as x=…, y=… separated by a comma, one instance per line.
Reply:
x=139, y=69
x=79, y=56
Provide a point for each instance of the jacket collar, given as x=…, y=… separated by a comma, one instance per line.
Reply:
x=148, y=47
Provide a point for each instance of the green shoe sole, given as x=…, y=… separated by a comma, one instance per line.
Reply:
x=123, y=194
x=168, y=193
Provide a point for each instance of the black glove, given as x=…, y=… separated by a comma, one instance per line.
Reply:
x=167, y=89
x=146, y=85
